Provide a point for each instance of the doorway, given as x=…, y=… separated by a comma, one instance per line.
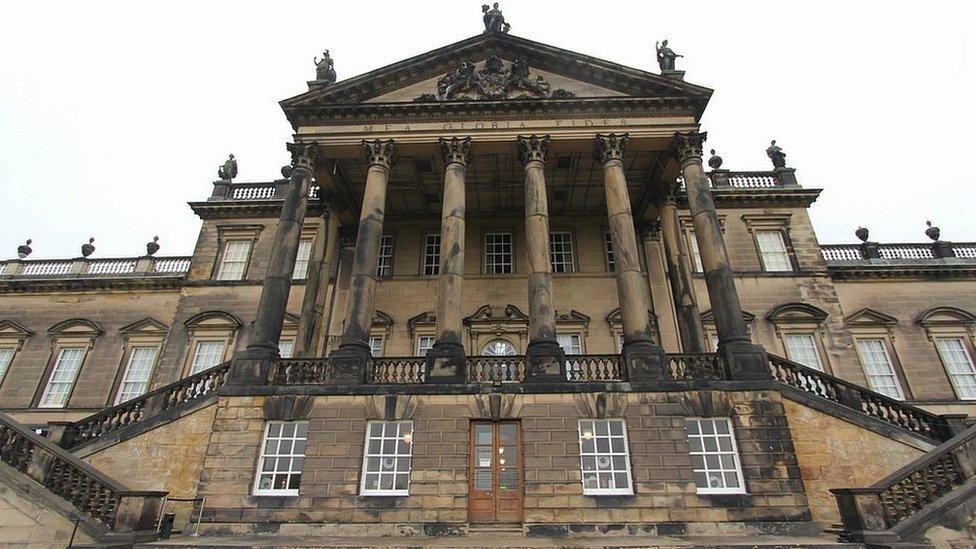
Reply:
x=495, y=472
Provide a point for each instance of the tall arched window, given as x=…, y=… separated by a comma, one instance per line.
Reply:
x=499, y=347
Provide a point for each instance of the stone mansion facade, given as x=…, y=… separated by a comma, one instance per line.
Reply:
x=497, y=284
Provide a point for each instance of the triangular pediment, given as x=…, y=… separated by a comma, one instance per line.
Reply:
x=147, y=325
x=9, y=328
x=870, y=317
x=496, y=67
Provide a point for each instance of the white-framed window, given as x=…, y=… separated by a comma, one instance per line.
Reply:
x=135, y=381
x=302, y=259
x=233, y=263
x=561, y=252
x=498, y=253
x=286, y=348
x=696, y=261
x=6, y=357
x=714, y=456
x=572, y=344
x=959, y=365
x=207, y=355
x=432, y=254
x=772, y=248
x=386, y=458
x=376, y=345
x=608, y=250
x=282, y=456
x=63, y=376
x=802, y=348
x=385, y=266
x=604, y=457
x=424, y=344
x=878, y=367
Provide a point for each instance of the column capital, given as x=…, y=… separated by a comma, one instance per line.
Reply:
x=380, y=152
x=532, y=148
x=610, y=146
x=456, y=150
x=688, y=146
x=303, y=156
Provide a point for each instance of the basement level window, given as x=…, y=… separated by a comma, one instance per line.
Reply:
x=282, y=456
x=386, y=459
x=605, y=459
x=714, y=456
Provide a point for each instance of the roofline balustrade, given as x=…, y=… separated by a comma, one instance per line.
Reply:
x=117, y=267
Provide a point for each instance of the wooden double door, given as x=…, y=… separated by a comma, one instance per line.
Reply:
x=495, y=472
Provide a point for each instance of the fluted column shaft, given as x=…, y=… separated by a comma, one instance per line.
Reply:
x=380, y=156
x=678, y=260
x=631, y=290
x=542, y=315
x=451, y=278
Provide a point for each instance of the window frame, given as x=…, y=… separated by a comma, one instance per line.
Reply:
x=382, y=346
x=308, y=243
x=784, y=240
x=435, y=268
x=386, y=241
x=965, y=343
x=888, y=352
x=195, y=346
x=734, y=452
x=418, y=348
x=629, y=491
x=511, y=258
x=569, y=249
x=579, y=337
x=609, y=256
x=222, y=260
x=256, y=490
x=814, y=339
x=5, y=368
x=56, y=355
x=363, y=470
x=129, y=354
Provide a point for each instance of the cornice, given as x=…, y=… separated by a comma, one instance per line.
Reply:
x=247, y=209
x=56, y=285
x=800, y=198
x=929, y=271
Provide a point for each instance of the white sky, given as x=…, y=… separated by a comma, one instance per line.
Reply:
x=114, y=114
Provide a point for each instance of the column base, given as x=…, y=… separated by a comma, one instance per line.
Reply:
x=745, y=360
x=251, y=367
x=347, y=364
x=645, y=361
x=545, y=362
x=446, y=363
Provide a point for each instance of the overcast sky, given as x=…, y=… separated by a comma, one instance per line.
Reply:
x=114, y=114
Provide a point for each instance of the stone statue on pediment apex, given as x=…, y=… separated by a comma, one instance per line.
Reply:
x=494, y=20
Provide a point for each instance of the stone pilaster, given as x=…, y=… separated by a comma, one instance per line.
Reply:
x=680, y=275
x=445, y=361
x=348, y=362
x=745, y=360
x=645, y=360
x=545, y=357
x=250, y=367
x=316, y=285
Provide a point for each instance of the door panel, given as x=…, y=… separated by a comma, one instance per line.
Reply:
x=495, y=473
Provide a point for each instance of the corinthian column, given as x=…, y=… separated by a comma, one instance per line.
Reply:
x=644, y=358
x=251, y=366
x=745, y=360
x=354, y=346
x=446, y=358
x=679, y=274
x=542, y=315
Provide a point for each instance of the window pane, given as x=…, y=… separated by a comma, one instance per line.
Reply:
x=6, y=357
x=570, y=343
x=208, y=355
x=424, y=344
x=561, y=252
x=608, y=250
x=376, y=345
x=802, y=348
x=286, y=348
x=135, y=381
x=498, y=253
x=302, y=259
x=385, y=267
x=878, y=368
x=386, y=459
x=959, y=365
x=695, y=254
x=280, y=465
x=714, y=457
x=63, y=377
x=604, y=457
x=234, y=261
x=773, y=251
x=432, y=254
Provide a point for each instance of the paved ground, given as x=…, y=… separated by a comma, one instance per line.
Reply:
x=497, y=540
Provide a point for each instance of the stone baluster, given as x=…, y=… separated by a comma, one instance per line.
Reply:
x=251, y=366
x=678, y=260
x=348, y=362
x=745, y=360
x=545, y=357
x=644, y=359
x=446, y=359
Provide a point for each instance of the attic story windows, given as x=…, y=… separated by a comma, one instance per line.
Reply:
x=235, y=244
x=771, y=233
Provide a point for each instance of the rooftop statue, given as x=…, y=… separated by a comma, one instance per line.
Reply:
x=665, y=56
x=494, y=20
x=324, y=69
x=228, y=170
x=776, y=154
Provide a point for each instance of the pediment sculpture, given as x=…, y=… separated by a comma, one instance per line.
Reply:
x=494, y=81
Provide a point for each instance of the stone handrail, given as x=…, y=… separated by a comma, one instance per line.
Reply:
x=868, y=512
x=91, y=491
x=200, y=385
x=117, y=267
x=687, y=366
x=594, y=368
x=857, y=398
x=839, y=253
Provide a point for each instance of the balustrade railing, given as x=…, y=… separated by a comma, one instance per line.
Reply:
x=858, y=398
x=868, y=512
x=120, y=267
x=496, y=369
x=268, y=190
x=300, y=371
x=112, y=419
x=68, y=477
x=688, y=366
x=841, y=252
x=907, y=251
x=594, y=368
x=409, y=369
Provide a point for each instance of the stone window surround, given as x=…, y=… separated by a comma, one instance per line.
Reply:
x=228, y=232
x=801, y=318
x=209, y=326
x=12, y=336
x=886, y=335
x=143, y=333
x=955, y=324
x=711, y=331
x=264, y=492
x=574, y=322
x=741, y=489
x=617, y=328
x=629, y=490
x=289, y=329
x=483, y=252
x=574, y=248
x=772, y=222
x=406, y=437
x=75, y=332
x=422, y=325
x=483, y=326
